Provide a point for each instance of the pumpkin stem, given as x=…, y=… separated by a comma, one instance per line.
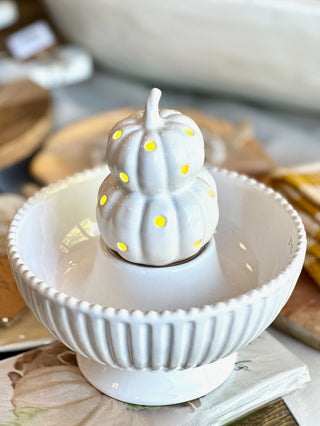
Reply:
x=151, y=113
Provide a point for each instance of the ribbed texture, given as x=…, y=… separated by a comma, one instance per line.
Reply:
x=168, y=341
x=157, y=340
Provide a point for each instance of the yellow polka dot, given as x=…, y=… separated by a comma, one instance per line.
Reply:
x=196, y=244
x=117, y=134
x=150, y=146
x=160, y=221
x=185, y=169
x=124, y=177
x=211, y=193
x=122, y=246
x=189, y=131
x=103, y=200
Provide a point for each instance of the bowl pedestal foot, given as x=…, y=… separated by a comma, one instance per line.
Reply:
x=156, y=387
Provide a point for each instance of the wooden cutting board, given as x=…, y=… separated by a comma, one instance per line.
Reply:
x=76, y=147
x=300, y=317
x=25, y=119
x=82, y=145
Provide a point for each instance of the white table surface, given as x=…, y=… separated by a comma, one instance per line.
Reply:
x=290, y=137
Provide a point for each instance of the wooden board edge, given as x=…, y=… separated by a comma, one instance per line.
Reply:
x=289, y=327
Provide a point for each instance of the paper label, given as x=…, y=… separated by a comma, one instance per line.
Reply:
x=31, y=40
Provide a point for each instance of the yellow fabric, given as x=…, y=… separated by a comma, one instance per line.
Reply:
x=312, y=266
x=301, y=186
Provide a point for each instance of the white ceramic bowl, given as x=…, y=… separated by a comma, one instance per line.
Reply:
x=117, y=316
x=256, y=49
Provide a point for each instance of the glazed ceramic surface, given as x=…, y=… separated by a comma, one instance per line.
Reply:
x=257, y=49
x=145, y=319
x=159, y=204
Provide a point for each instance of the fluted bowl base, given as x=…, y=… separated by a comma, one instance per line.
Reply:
x=156, y=387
x=143, y=318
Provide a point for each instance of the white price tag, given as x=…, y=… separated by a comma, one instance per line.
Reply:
x=31, y=40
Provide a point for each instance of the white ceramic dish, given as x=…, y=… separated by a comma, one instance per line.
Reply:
x=132, y=327
x=61, y=66
x=267, y=50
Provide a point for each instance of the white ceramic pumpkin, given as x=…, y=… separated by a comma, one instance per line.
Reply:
x=155, y=151
x=147, y=211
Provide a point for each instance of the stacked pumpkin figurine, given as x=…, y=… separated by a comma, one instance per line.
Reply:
x=159, y=204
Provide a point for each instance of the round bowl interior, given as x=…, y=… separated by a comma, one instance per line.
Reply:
x=58, y=241
x=176, y=328
x=155, y=320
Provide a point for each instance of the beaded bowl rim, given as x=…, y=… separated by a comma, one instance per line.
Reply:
x=47, y=291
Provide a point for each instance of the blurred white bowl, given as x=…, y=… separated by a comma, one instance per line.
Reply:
x=254, y=48
x=126, y=321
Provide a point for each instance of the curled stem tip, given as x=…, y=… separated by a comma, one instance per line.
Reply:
x=151, y=113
